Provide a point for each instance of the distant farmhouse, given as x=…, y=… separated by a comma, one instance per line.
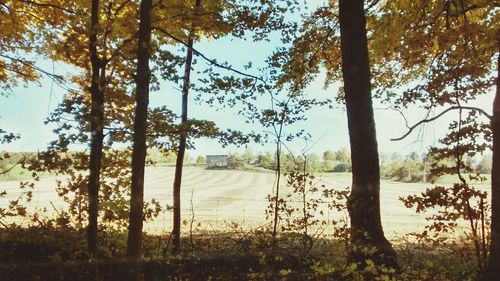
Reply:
x=216, y=161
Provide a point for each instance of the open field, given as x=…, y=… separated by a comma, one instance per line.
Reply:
x=222, y=196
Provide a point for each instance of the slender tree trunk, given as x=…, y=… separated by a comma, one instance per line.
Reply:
x=176, y=231
x=140, y=126
x=277, y=193
x=367, y=238
x=96, y=131
x=493, y=266
x=176, y=242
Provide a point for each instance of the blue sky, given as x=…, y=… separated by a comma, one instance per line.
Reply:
x=26, y=109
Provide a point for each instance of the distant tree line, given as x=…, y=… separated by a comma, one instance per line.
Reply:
x=412, y=167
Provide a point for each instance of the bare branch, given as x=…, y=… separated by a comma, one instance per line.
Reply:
x=427, y=120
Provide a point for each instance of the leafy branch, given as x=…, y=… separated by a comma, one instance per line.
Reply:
x=50, y=5
x=209, y=60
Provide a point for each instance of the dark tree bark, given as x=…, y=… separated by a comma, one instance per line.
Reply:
x=176, y=231
x=140, y=124
x=368, y=238
x=96, y=131
x=493, y=266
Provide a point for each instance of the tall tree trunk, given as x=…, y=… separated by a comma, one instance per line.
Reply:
x=96, y=131
x=140, y=126
x=176, y=231
x=493, y=267
x=367, y=238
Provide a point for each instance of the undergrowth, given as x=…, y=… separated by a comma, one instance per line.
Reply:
x=58, y=254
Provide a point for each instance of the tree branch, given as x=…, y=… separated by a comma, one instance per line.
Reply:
x=371, y=5
x=209, y=60
x=50, y=5
x=32, y=66
x=427, y=120
x=22, y=160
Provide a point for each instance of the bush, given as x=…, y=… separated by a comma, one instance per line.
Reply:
x=342, y=167
x=41, y=244
x=201, y=160
x=235, y=162
x=45, y=253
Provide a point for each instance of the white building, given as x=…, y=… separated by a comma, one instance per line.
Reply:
x=216, y=161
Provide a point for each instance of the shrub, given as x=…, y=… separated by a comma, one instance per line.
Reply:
x=342, y=167
x=235, y=162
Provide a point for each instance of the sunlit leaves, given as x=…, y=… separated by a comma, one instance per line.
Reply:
x=442, y=47
x=316, y=48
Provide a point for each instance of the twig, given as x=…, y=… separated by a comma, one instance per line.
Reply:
x=55, y=209
x=483, y=231
x=191, y=222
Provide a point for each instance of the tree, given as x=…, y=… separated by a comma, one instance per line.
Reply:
x=96, y=128
x=443, y=75
x=364, y=201
x=266, y=161
x=196, y=20
x=235, y=162
x=305, y=163
x=21, y=22
x=328, y=160
x=461, y=201
x=99, y=46
x=484, y=165
x=176, y=231
x=342, y=155
x=248, y=157
x=200, y=160
x=18, y=25
x=140, y=126
x=328, y=155
x=493, y=264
